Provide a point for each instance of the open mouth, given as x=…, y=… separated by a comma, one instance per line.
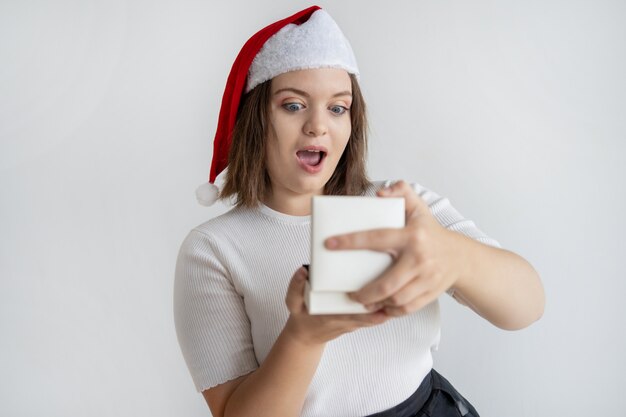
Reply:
x=311, y=157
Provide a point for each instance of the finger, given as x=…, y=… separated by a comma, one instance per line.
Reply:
x=375, y=318
x=407, y=294
x=416, y=304
x=295, y=292
x=361, y=320
x=396, y=277
x=381, y=240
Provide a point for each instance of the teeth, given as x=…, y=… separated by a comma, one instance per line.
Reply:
x=313, y=151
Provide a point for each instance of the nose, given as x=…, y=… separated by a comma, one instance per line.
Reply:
x=316, y=124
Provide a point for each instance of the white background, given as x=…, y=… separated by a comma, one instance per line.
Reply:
x=516, y=111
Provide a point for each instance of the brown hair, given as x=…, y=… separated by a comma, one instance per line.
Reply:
x=247, y=178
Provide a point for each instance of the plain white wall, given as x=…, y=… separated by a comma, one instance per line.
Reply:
x=514, y=110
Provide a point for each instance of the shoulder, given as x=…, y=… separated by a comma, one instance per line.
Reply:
x=211, y=242
x=223, y=228
x=222, y=223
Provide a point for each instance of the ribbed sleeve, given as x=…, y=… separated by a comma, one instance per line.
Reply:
x=212, y=326
x=450, y=218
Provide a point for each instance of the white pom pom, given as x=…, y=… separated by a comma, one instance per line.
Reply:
x=207, y=194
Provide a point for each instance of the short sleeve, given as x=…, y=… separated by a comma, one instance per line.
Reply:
x=451, y=219
x=212, y=326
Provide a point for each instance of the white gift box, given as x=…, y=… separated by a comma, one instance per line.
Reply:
x=333, y=273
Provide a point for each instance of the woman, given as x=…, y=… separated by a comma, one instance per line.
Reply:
x=292, y=125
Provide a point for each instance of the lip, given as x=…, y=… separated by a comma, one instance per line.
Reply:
x=308, y=168
x=314, y=148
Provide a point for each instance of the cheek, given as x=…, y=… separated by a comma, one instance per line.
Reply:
x=275, y=152
x=272, y=151
x=344, y=132
x=284, y=139
x=277, y=132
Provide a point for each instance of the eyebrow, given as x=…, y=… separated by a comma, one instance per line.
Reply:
x=305, y=94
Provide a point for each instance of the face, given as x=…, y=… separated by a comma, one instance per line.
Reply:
x=309, y=130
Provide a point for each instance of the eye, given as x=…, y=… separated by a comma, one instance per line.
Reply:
x=293, y=107
x=339, y=110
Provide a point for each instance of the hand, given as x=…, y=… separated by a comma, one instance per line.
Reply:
x=319, y=329
x=428, y=259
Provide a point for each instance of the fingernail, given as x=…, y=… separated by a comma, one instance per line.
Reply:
x=332, y=243
x=373, y=307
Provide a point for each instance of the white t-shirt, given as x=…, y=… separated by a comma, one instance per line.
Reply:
x=229, y=307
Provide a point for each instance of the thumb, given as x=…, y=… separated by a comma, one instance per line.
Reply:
x=295, y=292
x=414, y=205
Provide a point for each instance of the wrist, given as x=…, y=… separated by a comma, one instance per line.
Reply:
x=294, y=333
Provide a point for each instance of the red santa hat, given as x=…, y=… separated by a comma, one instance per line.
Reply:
x=308, y=39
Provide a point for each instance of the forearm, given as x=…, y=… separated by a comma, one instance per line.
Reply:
x=278, y=387
x=499, y=285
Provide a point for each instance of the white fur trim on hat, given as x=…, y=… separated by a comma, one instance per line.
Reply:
x=207, y=194
x=317, y=43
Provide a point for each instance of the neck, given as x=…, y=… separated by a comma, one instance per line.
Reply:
x=295, y=205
